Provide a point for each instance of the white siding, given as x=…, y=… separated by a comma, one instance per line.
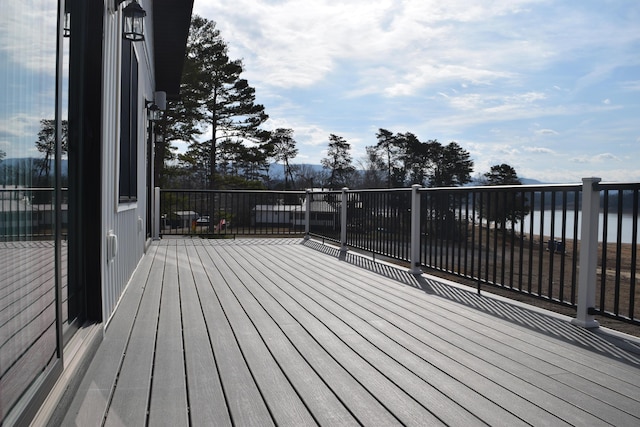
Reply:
x=122, y=220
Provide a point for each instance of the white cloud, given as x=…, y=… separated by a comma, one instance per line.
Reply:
x=598, y=158
x=31, y=47
x=297, y=43
x=538, y=150
x=546, y=132
x=20, y=125
x=486, y=72
x=631, y=85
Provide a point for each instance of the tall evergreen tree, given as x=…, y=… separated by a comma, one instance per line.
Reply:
x=452, y=166
x=338, y=162
x=509, y=206
x=502, y=174
x=224, y=100
x=418, y=158
x=375, y=173
x=182, y=121
x=284, y=149
x=46, y=145
x=390, y=146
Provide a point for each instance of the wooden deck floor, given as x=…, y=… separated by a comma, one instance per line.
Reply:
x=284, y=332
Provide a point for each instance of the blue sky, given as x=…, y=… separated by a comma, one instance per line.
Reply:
x=27, y=74
x=549, y=87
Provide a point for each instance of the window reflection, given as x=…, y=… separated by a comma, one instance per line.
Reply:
x=28, y=138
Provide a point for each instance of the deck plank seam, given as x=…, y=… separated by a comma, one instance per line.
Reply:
x=184, y=345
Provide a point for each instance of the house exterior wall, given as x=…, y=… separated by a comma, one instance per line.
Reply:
x=126, y=221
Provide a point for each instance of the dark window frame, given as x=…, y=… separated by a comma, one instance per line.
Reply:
x=128, y=174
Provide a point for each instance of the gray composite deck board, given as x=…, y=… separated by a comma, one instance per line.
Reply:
x=131, y=394
x=92, y=398
x=286, y=332
x=323, y=404
x=295, y=324
x=206, y=398
x=285, y=405
x=168, y=402
x=244, y=399
x=355, y=358
x=362, y=404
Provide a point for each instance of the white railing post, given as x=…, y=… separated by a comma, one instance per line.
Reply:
x=588, y=259
x=343, y=222
x=156, y=213
x=307, y=215
x=415, y=229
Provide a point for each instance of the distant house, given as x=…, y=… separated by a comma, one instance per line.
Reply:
x=21, y=219
x=282, y=215
x=322, y=214
x=181, y=219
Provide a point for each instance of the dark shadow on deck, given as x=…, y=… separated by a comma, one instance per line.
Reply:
x=599, y=341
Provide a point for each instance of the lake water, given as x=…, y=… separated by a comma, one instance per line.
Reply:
x=612, y=225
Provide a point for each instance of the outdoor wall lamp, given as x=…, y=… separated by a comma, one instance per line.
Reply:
x=133, y=20
x=153, y=111
x=155, y=107
x=66, y=28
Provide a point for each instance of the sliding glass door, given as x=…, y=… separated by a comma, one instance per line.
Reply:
x=33, y=203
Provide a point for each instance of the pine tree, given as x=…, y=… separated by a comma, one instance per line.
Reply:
x=223, y=100
x=46, y=145
x=284, y=149
x=508, y=206
x=338, y=162
x=390, y=147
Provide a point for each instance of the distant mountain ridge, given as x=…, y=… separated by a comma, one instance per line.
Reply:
x=276, y=171
x=30, y=162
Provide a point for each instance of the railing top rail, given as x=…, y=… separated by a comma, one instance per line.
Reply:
x=3, y=189
x=300, y=192
x=618, y=185
x=524, y=187
x=381, y=190
x=324, y=191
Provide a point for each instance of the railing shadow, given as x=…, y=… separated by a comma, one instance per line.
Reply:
x=620, y=348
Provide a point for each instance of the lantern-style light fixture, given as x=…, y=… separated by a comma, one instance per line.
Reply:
x=133, y=21
x=66, y=28
x=153, y=112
